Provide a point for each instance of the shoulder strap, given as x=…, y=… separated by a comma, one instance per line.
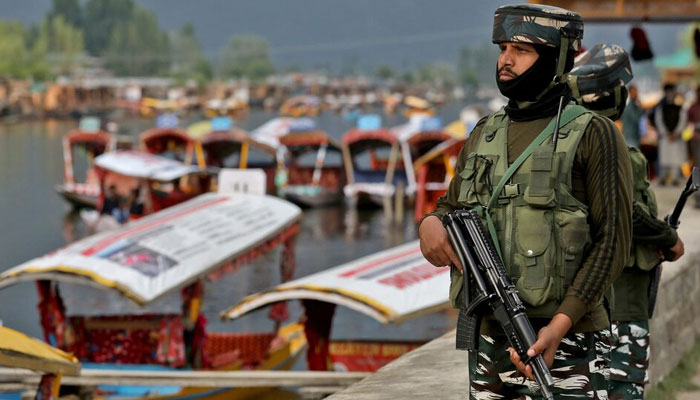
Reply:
x=568, y=115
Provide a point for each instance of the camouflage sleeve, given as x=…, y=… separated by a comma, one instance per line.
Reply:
x=449, y=201
x=649, y=230
x=607, y=175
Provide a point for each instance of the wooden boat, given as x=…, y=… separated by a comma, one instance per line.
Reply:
x=435, y=168
x=132, y=298
x=310, y=170
x=301, y=106
x=93, y=142
x=226, y=146
x=161, y=182
x=391, y=286
x=173, y=143
x=373, y=165
x=403, y=143
x=434, y=171
x=18, y=350
x=315, y=170
x=417, y=106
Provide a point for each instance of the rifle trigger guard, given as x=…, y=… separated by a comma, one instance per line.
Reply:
x=477, y=302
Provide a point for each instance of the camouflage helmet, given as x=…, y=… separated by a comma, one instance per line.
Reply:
x=600, y=69
x=538, y=24
x=600, y=73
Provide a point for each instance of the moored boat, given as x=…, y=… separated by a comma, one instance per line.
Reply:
x=18, y=350
x=225, y=146
x=168, y=141
x=132, y=298
x=92, y=141
x=391, y=286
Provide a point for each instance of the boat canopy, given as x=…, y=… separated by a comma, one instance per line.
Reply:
x=359, y=140
x=18, y=350
x=142, y=165
x=390, y=286
x=170, y=249
x=99, y=140
x=152, y=136
x=309, y=138
x=270, y=132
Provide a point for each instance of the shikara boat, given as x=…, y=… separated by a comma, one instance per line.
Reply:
x=91, y=141
x=173, y=143
x=314, y=169
x=226, y=146
x=373, y=164
x=161, y=182
x=403, y=144
x=18, y=350
x=132, y=298
x=301, y=106
x=391, y=286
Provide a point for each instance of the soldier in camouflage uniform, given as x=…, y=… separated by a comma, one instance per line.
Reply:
x=562, y=221
x=598, y=82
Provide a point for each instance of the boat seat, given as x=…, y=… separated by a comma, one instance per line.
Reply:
x=252, y=347
x=369, y=176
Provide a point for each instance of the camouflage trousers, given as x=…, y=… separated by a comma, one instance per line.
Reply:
x=629, y=360
x=580, y=370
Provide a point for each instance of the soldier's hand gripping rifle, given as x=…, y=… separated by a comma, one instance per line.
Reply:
x=673, y=220
x=690, y=187
x=487, y=287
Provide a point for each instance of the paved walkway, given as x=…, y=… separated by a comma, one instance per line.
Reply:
x=437, y=371
x=433, y=371
x=694, y=395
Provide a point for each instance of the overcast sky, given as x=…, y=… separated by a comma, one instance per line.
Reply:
x=364, y=32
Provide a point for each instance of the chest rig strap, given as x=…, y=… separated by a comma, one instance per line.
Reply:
x=568, y=115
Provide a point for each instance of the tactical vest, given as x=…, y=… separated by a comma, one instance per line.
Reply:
x=644, y=257
x=541, y=228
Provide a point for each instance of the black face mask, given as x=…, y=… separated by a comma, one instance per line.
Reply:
x=528, y=85
x=523, y=91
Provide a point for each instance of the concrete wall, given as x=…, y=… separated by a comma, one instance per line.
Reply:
x=676, y=323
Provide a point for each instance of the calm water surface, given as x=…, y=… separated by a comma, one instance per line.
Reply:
x=35, y=221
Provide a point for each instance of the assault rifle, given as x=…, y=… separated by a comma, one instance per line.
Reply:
x=673, y=220
x=491, y=289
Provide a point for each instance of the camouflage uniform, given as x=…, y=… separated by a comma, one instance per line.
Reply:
x=597, y=80
x=629, y=360
x=577, y=372
x=582, y=362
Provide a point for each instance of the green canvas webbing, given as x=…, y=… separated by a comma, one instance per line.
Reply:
x=568, y=115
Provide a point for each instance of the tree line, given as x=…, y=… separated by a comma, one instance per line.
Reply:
x=127, y=40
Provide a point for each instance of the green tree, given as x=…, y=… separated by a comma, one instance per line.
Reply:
x=138, y=46
x=385, y=72
x=101, y=18
x=246, y=56
x=68, y=9
x=187, y=56
x=438, y=73
x=63, y=42
x=14, y=56
x=20, y=58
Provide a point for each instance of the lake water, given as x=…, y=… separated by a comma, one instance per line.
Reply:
x=36, y=220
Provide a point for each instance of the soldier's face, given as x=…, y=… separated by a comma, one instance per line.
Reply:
x=514, y=59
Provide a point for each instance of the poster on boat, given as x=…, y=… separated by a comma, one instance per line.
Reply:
x=144, y=165
x=391, y=286
x=150, y=257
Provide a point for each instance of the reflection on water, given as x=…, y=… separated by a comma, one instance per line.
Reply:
x=37, y=221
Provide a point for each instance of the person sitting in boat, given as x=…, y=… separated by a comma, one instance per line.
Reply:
x=136, y=203
x=111, y=200
x=121, y=213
